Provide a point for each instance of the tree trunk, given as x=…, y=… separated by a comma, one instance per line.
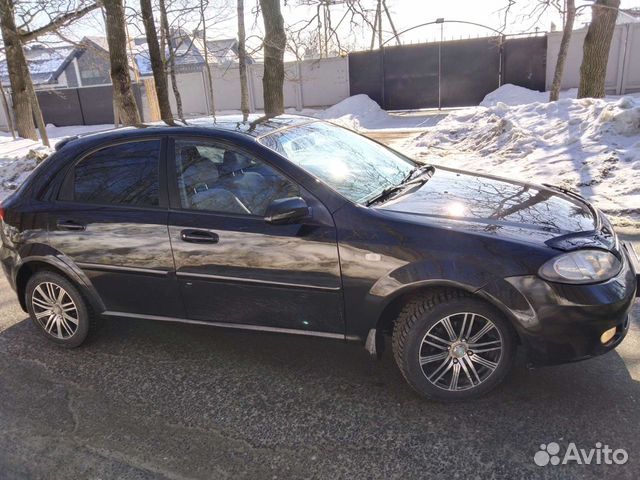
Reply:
x=242, y=63
x=17, y=66
x=35, y=109
x=562, y=53
x=157, y=65
x=164, y=24
x=593, y=70
x=212, y=101
x=275, y=41
x=117, y=40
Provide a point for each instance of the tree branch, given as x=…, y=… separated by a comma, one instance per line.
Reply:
x=57, y=22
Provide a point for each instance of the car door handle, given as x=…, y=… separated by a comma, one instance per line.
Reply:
x=70, y=225
x=199, y=236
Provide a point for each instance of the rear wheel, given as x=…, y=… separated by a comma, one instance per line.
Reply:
x=58, y=309
x=451, y=346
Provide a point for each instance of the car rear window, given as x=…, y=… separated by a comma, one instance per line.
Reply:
x=124, y=174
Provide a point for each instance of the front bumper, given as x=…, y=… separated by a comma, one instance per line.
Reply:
x=563, y=323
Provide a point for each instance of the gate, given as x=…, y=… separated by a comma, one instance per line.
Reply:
x=446, y=74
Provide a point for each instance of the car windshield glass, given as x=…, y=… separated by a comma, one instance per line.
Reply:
x=356, y=167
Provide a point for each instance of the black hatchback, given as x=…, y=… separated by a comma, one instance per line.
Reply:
x=297, y=226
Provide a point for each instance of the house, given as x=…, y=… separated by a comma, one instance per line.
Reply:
x=44, y=65
x=187, y=56
x=189, y=52
x=84, y=64
x=220, y=52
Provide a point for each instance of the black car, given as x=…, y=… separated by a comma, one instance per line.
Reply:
x=294, y=225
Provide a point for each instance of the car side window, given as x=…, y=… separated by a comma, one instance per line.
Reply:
x=219, y=179
x=124, y=174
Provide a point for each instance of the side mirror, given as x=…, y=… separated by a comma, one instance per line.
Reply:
x=287, y=210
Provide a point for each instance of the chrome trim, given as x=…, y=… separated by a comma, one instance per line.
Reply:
x=239, y=326
x=117, y=268
x=252, y=280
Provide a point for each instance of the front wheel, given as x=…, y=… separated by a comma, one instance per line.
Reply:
x=451, y=346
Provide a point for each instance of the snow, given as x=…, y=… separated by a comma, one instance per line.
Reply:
x=515, y=95
x=359, y=112
x=589, y=145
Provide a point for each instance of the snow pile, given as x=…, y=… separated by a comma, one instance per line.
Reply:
x=588, y=145
x=513, y=95
x=359, y=112
x=19, y=157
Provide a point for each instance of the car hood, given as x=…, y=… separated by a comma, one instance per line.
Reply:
x=500, y=207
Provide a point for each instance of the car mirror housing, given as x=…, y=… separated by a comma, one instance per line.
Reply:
x=287, y=210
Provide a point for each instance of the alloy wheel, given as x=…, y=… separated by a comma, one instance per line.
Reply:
x=55, y=310
x=460, y=351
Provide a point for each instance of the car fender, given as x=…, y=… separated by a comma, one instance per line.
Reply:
x=449, y=273
x=41, y=253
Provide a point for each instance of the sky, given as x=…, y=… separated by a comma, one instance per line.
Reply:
x=405, y=14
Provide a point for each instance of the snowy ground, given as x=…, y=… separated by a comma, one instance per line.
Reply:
x=591, y=146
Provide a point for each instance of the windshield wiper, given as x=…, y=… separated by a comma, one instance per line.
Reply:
x=418, y=169
x=406, y=182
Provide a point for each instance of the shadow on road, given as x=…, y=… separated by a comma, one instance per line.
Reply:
x=154, y=400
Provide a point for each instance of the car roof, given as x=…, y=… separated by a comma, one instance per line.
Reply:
x=255, y=126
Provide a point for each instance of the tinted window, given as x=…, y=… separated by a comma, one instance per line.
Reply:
x=215, y=178
x=125, y=174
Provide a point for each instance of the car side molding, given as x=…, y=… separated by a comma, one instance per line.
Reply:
x=238, y=326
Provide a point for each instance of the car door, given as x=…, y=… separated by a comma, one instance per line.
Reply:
x=232, y=266
x=110, y=219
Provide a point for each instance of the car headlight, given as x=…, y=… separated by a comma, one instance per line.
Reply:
x=581, y=266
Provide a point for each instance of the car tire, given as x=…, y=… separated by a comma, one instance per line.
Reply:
x=434, y=338
x=58, y=309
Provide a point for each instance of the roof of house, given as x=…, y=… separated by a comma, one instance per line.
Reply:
x=44, y=63
x=187, y=56
x=47, y=63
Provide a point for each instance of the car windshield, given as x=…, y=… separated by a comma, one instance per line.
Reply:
x=356, y=167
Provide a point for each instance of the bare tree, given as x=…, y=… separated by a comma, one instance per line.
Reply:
x=205, y=47
x=570, y=16
x=275, y=42
x=171, y=47
x=24, y=100
x=593, y=70
x=127, y=109
x=242, y=63
x=157, y=65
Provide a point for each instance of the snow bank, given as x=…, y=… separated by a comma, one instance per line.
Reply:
x=359, y=112
x=589, y=145
x=513, y=95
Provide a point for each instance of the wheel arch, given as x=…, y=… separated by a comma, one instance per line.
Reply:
x=395, y=302
x=32, y=265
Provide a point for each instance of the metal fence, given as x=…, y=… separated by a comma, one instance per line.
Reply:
x=80, y=106
x=447, y=74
